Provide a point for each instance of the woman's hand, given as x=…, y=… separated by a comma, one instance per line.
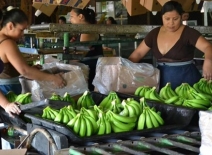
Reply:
x=59, y=81
x=207, y=69
x=12, y=108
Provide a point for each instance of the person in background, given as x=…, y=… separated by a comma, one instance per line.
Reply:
x=185, y=17
x=87, y=16
x=110, y=20
x=62, y=20
x=10, y=108
x=13, y=24
x=173, y=46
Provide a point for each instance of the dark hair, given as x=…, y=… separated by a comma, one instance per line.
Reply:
x=1, y=15
x=89, y=14
x=112, y=20
x=171, y=6
x=16, y=16
x=62, y=18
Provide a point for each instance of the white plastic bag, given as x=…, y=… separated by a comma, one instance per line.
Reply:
x=205, y=125
x=40, y=90
x=121, y=75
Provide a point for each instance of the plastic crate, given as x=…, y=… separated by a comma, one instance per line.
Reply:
x=174, y=117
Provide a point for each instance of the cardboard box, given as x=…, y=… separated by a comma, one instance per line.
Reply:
x=47, y=9
x=134, y=7
x=186, y=4
x=13, y=151
x=75, y=3
x=151, y=5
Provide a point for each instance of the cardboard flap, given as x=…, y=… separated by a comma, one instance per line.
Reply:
x=13, y=151
x=47, y=9
x=151, y=5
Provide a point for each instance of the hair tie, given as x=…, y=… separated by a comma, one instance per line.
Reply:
x=10, y=8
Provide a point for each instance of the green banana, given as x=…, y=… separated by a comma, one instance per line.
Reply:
x=138, y=90
x=154, y=120
x=76, y=127
x=172, y=100
x=89, y=127
x=158, y=117
x=82, y=130
x=94, y=124
x=149, y=124
x=72, y=122
x=101, y=125
x=123, y=119
x=141, y=121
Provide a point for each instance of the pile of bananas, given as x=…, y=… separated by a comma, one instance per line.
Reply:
x=64, y=115
x=21, y=98
x=149, y=117
x=197, y=97
x=203, y=86
x=125, y=116
x=66, y=98
x=185, y=95
x=148, y=92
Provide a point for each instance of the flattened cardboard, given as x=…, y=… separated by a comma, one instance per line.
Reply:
x=151, y=5
x=13, y=151
x=186, y=4
x=47, y=9
x=134, y=7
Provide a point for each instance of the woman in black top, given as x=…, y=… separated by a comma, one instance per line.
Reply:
x=88, y=16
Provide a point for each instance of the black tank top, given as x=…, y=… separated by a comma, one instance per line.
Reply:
x=95, y=50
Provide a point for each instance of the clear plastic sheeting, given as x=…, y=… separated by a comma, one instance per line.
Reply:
x=76, y=83
x=121, y=75
x=205, y=124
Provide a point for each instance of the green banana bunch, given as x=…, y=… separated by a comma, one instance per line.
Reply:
x=90, y=112
x=114, y=106
x=183, y=90
x=85, y=101
x=83, y=125
x=67, y=98
x=56, y=97
x=141, y=91
x=121, y=123
x=49, y=113
x=149, y=119
x=167, y=92
x=131, y=108
x=65, y=115
x=203, y=86
x=11, y=96
x=197, y=104
x=152, y=94
x=106, y=105
x=104, y=126
x=24, y=98
x=193, y=94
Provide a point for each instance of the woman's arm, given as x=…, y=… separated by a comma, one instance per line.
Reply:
x=203, y=45
x=13, y=55
x=139, y=52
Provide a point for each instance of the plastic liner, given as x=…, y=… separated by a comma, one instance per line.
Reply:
x=175, y=118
